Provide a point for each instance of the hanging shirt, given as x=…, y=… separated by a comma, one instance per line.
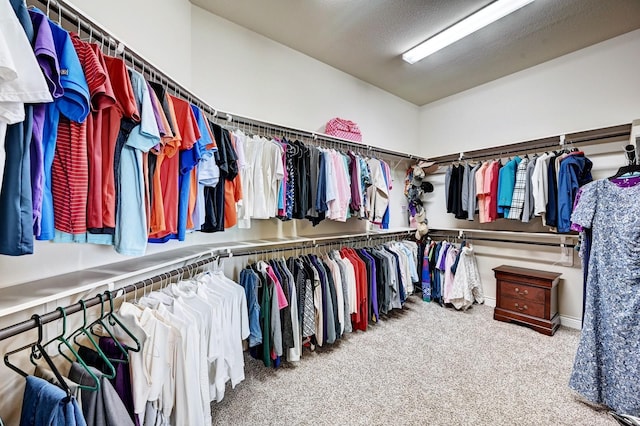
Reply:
x=131, y=223
x=78, y=151
x=519, y=191
x=482, y=194
x=45, y=51
x=574, y=171
x=506, y=185
x=529, y=200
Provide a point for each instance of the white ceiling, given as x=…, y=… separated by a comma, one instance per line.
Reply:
x=366, y=38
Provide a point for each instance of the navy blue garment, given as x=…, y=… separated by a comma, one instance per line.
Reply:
x=552, y=200
x=321, y=192
x=436, y=293
x=373, y=286
x=573, y=172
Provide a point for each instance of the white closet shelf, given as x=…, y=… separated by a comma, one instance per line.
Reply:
x=23, y=296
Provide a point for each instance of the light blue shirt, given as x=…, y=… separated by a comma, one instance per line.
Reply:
x=131, y=218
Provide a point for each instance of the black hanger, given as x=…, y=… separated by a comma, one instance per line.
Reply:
x=633, y=168
x=38, y=351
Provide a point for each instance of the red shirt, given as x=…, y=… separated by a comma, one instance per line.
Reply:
x=125, y=107
x=70, y=170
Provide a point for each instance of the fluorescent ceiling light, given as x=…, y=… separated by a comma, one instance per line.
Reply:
x=485, y=16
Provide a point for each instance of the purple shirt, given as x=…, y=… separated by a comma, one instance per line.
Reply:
x=45, y=52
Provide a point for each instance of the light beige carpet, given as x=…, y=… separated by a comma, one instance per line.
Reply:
x=426, y=366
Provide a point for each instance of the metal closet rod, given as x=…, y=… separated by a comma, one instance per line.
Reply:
x=75, y=17
x=31, y=324
x=501, y=240
x=585, y=138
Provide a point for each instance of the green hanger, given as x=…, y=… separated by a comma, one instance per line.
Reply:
x=83, y=330
x=113, y=320
x=63, y=341
x=100, y=321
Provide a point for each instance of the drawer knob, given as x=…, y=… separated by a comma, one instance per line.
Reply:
x=521, y=308
x=521, y=293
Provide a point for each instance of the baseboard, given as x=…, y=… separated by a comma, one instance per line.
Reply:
x=566, y=321
x=571, y=322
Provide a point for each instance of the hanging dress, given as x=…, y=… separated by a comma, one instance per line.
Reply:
x=606, y=369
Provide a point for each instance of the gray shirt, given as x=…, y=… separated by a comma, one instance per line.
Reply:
x=529, y=202
x=472, y=203
x=465, y=187
x=104, y=406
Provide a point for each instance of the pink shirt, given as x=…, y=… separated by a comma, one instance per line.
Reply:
x=483, y=205
x=282, y=299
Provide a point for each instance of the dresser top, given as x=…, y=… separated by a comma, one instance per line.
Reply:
x=527, y=272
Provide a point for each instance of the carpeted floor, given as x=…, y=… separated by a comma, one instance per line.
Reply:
x=426, y=365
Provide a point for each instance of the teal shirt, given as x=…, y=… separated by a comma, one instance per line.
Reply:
x=506, y=184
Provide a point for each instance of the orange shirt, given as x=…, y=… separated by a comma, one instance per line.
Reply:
x=167, y=169
x=232, y=194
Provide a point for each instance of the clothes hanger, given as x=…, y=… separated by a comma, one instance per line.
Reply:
x=113, y=320
x=632, y=167
x=63, y=341
x=37, y=350
x=100, y=321
x=84, y=331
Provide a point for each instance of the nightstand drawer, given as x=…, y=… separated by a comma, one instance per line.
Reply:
x=523, y=292
x=519, y=305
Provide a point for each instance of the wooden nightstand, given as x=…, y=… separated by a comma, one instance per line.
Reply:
x=528, y=297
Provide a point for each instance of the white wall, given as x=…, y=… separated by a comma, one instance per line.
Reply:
x=159, y=31
x=241, y=71
x=591, y=88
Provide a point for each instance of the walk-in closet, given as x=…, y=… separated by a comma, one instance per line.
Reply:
x=280, y=212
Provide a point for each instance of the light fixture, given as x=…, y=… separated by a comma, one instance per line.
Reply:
x=480, y=19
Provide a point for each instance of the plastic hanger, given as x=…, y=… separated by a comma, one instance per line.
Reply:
x=63, y=341
x=38, y=350
x=114, y=320
x=632, y=166
x=100, y=321
x=83, y=330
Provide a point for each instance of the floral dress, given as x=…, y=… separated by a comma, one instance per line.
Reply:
x=606, y=369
